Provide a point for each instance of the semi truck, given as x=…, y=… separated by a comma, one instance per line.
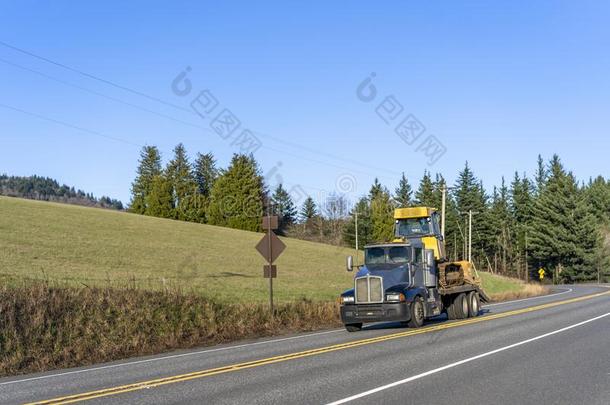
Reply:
x=409, y=279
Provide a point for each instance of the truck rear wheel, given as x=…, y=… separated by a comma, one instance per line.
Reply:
x=353, y=327
x=460, y=305
x=474, y=304
x=417, y=313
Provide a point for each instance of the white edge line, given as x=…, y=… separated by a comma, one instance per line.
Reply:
x=130, y=363
x=528, y=299
x=468, y=360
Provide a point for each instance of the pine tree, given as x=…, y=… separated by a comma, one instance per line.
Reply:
x=382, y=210
x=283, y=207
x=541, y=175
x=159, y=201
x=500, y=220
x=184, y=188
x=238, y=195
x=424, y=195
x=521, y=202
x=149, y=166
x=403, y=193
x=564, y=233
x=206, y=173
x=309, y=210
x=362, y=208
x=376, y=189
x=597, y=194
x=469, y=195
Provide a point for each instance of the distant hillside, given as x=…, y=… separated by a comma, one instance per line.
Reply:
x=86, y=246
x=47, y=189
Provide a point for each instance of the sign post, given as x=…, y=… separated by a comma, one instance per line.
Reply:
x=270, y=247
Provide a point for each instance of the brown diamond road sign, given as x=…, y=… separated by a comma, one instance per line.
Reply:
x=270, y=247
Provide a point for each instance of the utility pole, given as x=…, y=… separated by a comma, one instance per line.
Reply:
x=443, y=206
x=526, y=266
x=356, y=218
x=470, y=236
x=465, y=255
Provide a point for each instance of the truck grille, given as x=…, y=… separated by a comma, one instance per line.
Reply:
x=369, y=289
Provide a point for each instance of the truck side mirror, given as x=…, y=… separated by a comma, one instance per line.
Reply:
x=350, y=263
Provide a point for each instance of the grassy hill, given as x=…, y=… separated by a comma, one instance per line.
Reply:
x=95, y=247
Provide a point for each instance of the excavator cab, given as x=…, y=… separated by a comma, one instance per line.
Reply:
x=420, y=223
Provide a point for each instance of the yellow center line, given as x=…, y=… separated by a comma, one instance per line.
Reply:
x=297, y=355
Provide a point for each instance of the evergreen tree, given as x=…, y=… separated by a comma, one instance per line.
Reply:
x=238, y=195
x=149, y=166
x=521, y=202
x=541, y=175
x=309, y=210
x=159, y=201
x=365, y=231
x=470, y=195
x=376, y=189
x=184, y=188
x=283, y=207
x=564, y=233
x=597, y=194
x=500, y=220
x=206, y=173
x=424, y=195
x=382, y=210
x=403, y=193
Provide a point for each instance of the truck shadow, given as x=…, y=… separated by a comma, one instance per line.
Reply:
x=403, y=325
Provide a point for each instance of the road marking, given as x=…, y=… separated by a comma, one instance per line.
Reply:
x=468, y=360
x=308, y=353
x=174, y=356
x=527, y=299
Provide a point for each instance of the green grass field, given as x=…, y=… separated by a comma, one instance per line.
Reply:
x=79, y=245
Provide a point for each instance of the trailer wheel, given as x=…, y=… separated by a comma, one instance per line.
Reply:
x=460, y=306
x=353, y=327
x=417, y=313
x=474, y=302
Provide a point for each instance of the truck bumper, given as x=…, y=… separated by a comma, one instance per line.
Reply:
x=364, y=313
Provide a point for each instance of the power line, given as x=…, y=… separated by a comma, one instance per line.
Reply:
x=68, y=125
x=141, y=94
x=90, y=76
x=113, y=138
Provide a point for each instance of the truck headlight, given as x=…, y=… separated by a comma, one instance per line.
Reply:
x=395, y=297
x=348, y=299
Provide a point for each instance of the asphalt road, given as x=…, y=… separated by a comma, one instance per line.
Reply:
x=549, y=350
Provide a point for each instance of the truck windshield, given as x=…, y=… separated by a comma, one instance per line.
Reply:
x=413, y=227
x=387, y=255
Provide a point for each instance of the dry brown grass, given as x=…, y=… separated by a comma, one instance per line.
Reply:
x=45, y=327
x=527, y=291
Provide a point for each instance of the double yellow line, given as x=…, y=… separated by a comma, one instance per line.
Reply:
x=307, y=353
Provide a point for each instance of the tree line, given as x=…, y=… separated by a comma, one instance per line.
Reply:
x=47, y=189
x=550, y=221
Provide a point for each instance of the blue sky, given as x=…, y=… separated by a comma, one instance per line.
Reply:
x=495, y=83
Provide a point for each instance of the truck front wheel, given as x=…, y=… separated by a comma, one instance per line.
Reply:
x=353, y=327
x=417, y=313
